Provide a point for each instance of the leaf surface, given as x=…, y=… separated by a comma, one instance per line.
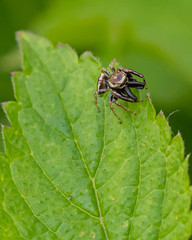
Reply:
x=71, y=173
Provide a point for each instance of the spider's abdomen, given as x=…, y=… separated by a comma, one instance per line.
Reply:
x=117, y=80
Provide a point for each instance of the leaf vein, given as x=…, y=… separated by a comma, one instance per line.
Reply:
x=32, y=210
x=102, y=151
x=139, y=180
x=75, y=140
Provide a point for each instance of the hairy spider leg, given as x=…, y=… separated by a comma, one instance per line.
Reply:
x=95, y=97
x=130, y=77
x=113, y=98
x=123, y=97
x=126, y=98
x=102, y=87
x=130, y=94
x=135, y=98
x=122, y=106
x=104, y=70
x=136, y=84
x=111, y=65
x=127, y=70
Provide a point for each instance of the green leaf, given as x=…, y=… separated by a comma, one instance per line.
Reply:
x=71, y=173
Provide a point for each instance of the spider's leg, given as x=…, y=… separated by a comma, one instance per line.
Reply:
x=127, y=109
x=113, y=99
x=136, y=84
x=123, y=97
x=126, y=98
x=133, y=83
x=95, y=97
x=111, y=65
x=132, y=78
x=130, y=94
x=104, y=70
x=127, y=70
x=102, y=87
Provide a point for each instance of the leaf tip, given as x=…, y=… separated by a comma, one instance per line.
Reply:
x=89, y=54
x=188, y=156
x=148, y=97
x=64, y=45
x=161, y=113
x=22, y=33
x=3, y=127
x=19, y=35
x=13, y=74
x=178, y=134
x=60, y=44
x=3, y=104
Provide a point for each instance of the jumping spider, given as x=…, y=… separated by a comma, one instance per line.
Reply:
x=118, y=83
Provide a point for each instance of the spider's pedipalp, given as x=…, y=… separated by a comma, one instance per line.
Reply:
x=118, y=83
x=111, y=65
x=128, y=70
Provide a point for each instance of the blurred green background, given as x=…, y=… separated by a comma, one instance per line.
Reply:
x=152, y=37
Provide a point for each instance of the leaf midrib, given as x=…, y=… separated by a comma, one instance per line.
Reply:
x=78, y=147
x=30, y=153
x=138, y=186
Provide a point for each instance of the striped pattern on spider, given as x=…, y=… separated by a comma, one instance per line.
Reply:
x=118, y=83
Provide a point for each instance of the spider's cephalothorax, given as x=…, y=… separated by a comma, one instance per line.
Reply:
x=118, y=83
x=117, y=80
